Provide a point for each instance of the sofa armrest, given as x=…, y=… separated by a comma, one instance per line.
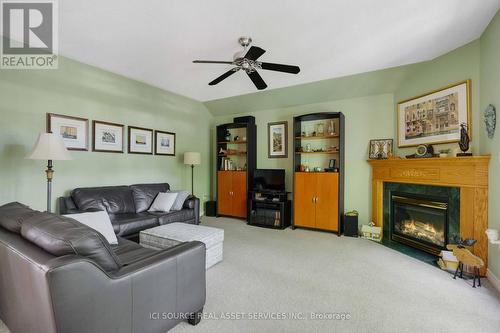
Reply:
x=149, y=263
x=66, y=204
x=169, y=282
x=193, y=202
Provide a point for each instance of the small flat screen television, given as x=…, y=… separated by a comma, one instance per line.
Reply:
x=269, y=179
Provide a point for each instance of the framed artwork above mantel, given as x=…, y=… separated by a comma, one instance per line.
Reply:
x=435, y=117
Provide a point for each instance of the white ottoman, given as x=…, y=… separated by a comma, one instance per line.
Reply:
x=169, y=235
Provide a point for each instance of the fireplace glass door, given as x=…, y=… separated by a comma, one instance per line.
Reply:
x=419, y=222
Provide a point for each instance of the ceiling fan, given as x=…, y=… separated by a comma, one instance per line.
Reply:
x=247, y=61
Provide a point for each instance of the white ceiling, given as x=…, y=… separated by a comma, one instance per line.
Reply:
x=154, y=41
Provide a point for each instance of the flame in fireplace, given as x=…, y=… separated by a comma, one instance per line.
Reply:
x=422, y=230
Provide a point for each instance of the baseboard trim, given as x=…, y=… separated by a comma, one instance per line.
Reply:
x=495, y=281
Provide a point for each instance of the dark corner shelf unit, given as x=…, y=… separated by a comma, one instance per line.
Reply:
x=235, y=166
x=319, y=138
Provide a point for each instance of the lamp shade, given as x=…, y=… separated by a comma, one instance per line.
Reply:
x=192, y=158
x=49, y=146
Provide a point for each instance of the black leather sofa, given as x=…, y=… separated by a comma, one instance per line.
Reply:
x=128, y=206
x=58, y=275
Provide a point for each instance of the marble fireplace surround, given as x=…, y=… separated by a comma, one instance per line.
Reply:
x=462, y=177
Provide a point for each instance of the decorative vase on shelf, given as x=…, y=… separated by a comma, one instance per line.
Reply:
x=331, y=128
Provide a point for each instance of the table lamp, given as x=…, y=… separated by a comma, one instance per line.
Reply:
x=192, y=158
x=50, y=147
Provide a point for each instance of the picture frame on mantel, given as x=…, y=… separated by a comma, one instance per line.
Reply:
x=164, y=143
x=277, y=139
x=107, y=137
x=435, y=117
x=140, y=140
x=380, y=149
x=73, y=130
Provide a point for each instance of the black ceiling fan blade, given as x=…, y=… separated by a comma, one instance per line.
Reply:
x=254, y=53
x=280, y=67
x=257, y=80
x=224, y=76
x=212, y=62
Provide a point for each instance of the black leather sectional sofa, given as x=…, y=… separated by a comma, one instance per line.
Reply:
x=128, y=206
x=58, y=275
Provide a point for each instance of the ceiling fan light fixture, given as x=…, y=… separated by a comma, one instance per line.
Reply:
x=245, y=41
x=246, y=60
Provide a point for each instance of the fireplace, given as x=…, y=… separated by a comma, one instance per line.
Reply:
x=419, y=221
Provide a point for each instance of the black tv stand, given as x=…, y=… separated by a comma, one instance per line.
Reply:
x=269, y=209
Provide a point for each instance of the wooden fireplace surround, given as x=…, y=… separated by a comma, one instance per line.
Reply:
x=470, y=174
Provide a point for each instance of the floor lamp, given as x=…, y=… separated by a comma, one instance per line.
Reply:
x=192, y=158
x=49, y=147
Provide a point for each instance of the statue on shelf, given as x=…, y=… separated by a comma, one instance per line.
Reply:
x=464, y=140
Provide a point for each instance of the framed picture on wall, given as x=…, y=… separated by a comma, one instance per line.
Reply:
x=140, y=140
x=107, y=137
x=164, y=143
x=277, y=139
x=73, y=130
x=435, y=117
x=381, y=149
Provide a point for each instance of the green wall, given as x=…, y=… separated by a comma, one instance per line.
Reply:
x=363, y=122
x=490, y=94
x=456, y=66
x=85, y=91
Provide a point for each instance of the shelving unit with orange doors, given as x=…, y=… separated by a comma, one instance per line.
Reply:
x=318, y=194
x=236, y=161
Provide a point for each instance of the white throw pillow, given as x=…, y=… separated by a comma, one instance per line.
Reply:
x=163, y=202
x=179, y=201
x=98, y=221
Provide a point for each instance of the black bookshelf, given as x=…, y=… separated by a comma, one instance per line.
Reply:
x=241, y=150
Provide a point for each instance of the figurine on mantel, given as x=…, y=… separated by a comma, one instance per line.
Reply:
x=464, y=140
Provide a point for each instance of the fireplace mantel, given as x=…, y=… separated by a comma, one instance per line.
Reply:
x=470, y=174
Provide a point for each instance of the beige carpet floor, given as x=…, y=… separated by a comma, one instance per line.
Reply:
x=293, y=275
x=307, y=272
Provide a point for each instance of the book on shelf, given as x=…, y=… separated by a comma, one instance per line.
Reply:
x=227, y=164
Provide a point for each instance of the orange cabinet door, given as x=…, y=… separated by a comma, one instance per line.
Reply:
x=327, y=201
x=224, y=197
x=304, y=205
x=239, y=194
